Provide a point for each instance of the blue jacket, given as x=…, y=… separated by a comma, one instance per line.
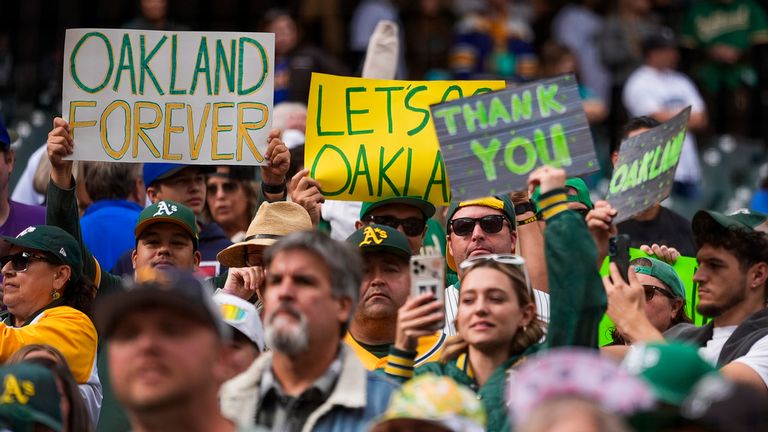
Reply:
x=359, y=397
x=107, y=228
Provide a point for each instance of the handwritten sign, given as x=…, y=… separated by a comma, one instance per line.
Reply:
x=645, y=169
x=491, y=142
x=153, y=96
x=368, y=139
x=685, y=267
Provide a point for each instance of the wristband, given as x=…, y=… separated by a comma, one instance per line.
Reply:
x=273, y=189
x=527, y=221
x=524, y=207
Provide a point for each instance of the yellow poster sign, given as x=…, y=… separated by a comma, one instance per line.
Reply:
x=368, y=139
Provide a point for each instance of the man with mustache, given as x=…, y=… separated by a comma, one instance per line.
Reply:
x=732, y=277
x=385, y=288
x=310, y=380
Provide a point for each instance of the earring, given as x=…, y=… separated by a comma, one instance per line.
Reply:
x=55, y=295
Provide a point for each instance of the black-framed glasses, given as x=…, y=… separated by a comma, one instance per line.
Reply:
x=412, y=226
x=20, y=261
x=227, y=187
x=651, y=290
x=505, y=259
x=491, y=224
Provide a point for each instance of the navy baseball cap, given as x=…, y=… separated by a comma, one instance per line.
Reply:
x=160, y=171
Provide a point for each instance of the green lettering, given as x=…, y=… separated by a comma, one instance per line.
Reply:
x=361, y=168
x=145, y=59
x=383, y=167
x=482, y=90
x=221, y=63
x=509, y=156
x=447, y=114
x=174, y=61
x=522, y=106
x=476, y=117
x=561, y=154
x=486, y=156
x=497, y=112
x=351, y=112
x=202, y=66
x=320, y=131
x=346, y=164
x=665, y=156
x=125, y=63
x=423, y=111
x=73, y=63
x=408, y=171
x=546, y=96
x=656, y=164
x=631, y=180
x=264, y=66
x=451, y=89
x=617, y=180
x=433, y=179
x=389, y=91
x=642, y=175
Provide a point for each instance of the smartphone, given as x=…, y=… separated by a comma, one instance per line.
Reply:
x=618, y=250
x=428, y=275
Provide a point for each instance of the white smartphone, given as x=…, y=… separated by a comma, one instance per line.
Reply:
x=428, y=275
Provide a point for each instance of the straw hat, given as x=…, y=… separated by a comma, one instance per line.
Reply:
x=272, y=221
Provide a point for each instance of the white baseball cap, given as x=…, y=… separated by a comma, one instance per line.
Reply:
x=242, y=316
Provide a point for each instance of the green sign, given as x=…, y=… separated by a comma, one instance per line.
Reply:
x=492, y=141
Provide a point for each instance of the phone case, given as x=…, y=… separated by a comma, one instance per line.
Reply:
x=428, y=275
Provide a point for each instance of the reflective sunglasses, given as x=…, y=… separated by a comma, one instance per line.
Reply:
x=491, y=224
x=20, y=261
x=505, y=259
x=412, y=226
x=651, y=290
x=228, y=188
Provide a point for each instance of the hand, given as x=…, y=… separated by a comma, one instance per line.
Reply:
x=547, y=178
x=600, y=223
x=305, y=191
x=60, y=145
x=244, y=282
x=626, y=302
x=724, y=53
x=279, y=160
x=519, y=197
x=667, y=254
x=415, y=319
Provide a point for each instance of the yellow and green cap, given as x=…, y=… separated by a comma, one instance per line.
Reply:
x=30, y=398
x=380, y=238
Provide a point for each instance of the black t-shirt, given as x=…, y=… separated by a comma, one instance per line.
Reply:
x=667, y=228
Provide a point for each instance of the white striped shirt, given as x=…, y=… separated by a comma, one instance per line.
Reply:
x=452, y=307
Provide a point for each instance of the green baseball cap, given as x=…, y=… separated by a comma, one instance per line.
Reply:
x=30, y=397
x=498, y=202
x=740, y=220
x=380, y=238
x=665, y=273
x=426, y=207
x=55, y=242
x=578, y=185
x=170, y=212
x=671, y=370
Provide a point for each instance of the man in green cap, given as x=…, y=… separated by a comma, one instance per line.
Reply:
x=385, y=288
x=732, y=278
x=408, y=215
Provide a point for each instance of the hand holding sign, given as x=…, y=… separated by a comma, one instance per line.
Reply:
x=491, y=142
x=645, y=169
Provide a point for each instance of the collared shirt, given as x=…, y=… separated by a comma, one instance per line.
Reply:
x=280, y=412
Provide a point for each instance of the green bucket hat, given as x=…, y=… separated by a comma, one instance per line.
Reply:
x=498, y=202
x=30, y=397
x=578, y=185
x=671, y=370
x=380, y=238
x=426, y=207
x=665, y=273
x=55, y=242
x=169, y=212
x=740, y=220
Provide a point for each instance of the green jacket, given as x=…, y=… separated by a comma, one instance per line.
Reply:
x=577, y=304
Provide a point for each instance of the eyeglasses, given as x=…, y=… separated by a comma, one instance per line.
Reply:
x=228, y=188
x=20, y=261
x=412, y=226
x=505, y=259
x=491, y=224
x=650, y=292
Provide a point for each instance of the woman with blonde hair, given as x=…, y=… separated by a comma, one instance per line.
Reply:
x=496, y=319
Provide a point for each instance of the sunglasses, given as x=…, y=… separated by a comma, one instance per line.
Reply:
x=411, y=226
x=504, y=259
x=491, y=224
x=651, y=290
x=228, y=188
x=20, y=261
